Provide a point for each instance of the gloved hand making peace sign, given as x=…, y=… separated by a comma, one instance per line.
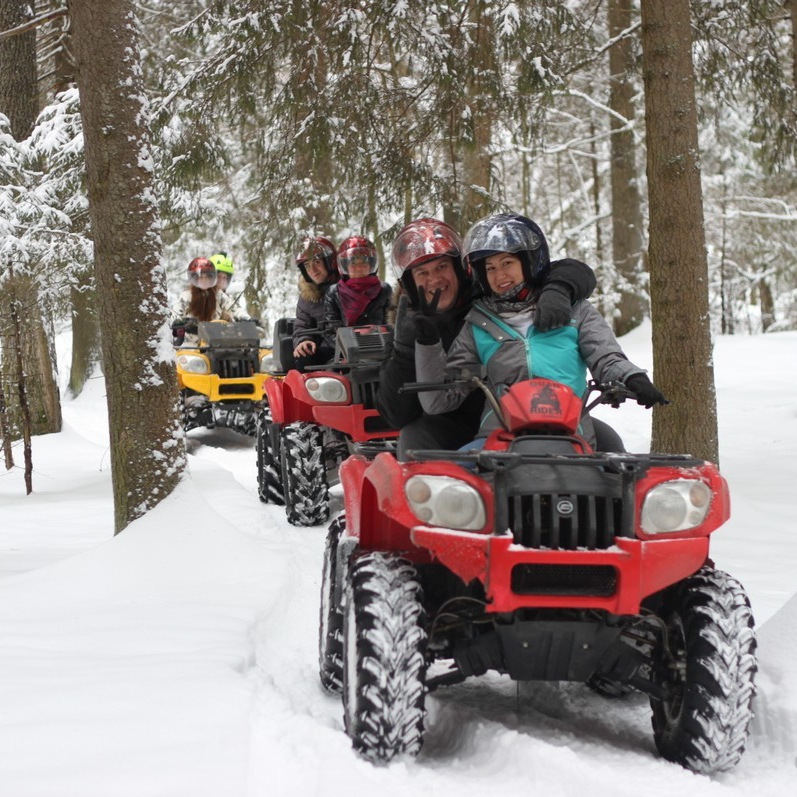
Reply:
x=426, y=320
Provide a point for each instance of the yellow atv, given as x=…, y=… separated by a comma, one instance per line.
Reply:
x=222, y=370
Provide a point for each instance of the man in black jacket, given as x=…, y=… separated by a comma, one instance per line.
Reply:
x=427, y=261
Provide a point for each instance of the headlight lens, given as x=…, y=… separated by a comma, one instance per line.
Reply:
x=675, y=505
x=193, y=364
x=444, y=501
x=266, y=364
x=327, y=389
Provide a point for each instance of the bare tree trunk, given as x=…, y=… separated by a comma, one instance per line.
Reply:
x=472, y=152
x=22, y=382
x=767, y=305
x=85, y=333
x=19, y=101
x=682, y=348
x=626, y=201
x=147, y=448
x=5, y=432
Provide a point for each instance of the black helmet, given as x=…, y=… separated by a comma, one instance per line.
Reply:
x=507, y=232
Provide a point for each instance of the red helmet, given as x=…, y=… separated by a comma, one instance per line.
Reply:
x=318, y=247
x=356, y=249
x=201, y=269
x=423, y=240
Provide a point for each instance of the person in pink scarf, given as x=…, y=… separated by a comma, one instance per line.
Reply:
x=360, y=298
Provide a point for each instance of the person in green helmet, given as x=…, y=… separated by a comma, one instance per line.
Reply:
x=224, y=269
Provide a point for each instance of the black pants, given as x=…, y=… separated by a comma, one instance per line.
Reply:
x=436, y=432
x=321, y=356
x=606, y=439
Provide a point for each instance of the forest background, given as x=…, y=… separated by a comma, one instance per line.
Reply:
x=138, y=135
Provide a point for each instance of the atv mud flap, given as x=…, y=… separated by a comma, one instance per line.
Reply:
x=615, y=580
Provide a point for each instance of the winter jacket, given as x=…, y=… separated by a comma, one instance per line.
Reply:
x=374, y=313
x=400, y=409
x=562, y=355
x=309, y=310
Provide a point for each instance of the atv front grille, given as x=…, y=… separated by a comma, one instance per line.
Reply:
x=564, y=580
x=237, y=389
x=565, y=521
x=241, y=368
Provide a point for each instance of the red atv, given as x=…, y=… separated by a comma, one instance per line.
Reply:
x=544, y=560
x=315, y=418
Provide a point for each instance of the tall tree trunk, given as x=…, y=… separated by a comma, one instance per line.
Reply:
x=85, y=333
x=472, y=151
x=19, y=102
x=147, y=448
x=767, y=304
x=682, y=348
x=85, y=324
x=626, y=200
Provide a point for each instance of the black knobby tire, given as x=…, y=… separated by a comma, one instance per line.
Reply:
x=330, y=627
x=384, y=664
x=704, y=724
x=269, y=471
x=304, y=476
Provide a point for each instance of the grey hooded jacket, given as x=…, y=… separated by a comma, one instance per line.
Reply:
x=509, y=356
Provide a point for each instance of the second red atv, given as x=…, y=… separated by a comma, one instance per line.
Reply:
x=315, y=418
x=544, y=560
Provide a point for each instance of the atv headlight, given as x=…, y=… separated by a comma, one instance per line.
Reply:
x=675, y=505
x=193, y=364
x=266, y=364
x=444, y=501
x=327, y=389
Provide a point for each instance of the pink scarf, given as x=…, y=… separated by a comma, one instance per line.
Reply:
x=356, y=294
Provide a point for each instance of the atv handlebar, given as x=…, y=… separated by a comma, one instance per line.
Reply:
x=611, y=393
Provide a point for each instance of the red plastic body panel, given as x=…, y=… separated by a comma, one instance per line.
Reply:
x=275, y=389
x=291, y=402
x=642, y=567
x=541, y=404
x=379, y=517
x=350, y=420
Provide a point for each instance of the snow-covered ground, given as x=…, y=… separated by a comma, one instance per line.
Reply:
x=179, y=658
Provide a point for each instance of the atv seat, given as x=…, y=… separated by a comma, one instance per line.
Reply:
x=282, y=351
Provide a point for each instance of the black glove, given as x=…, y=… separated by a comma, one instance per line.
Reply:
x=426, y=319
x=645, y=391
x=404, y=329
x=553, y=307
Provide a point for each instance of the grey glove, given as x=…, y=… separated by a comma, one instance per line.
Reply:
x=553, y=307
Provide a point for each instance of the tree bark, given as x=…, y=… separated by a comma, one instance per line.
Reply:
x=19, y=102
x=682, y=346
x=85, y=333
x=147, y=447
x=626, y=201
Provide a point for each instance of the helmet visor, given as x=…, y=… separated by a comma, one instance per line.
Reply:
x=499, y=234
x=421, y=241
x=203, y=277
x=357, y=256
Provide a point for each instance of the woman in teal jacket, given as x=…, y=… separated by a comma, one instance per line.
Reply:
x=509, y=256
